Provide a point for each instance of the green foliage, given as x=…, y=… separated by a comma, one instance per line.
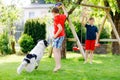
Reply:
x=36, y=28
x=4, y=43
x=26, y=43
x=64, y=1
x=9, y=14
x=69, y=35
x=105, y=34
x=80, y=30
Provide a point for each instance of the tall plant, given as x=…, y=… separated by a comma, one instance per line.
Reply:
x=8, y=16
x=36, y=28
x=4, y=43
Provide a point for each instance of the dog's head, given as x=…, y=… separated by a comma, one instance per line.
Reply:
x=43, y=42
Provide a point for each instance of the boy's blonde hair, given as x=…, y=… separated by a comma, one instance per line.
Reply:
x=91, y=18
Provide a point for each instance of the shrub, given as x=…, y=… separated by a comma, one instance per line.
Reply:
x=36, y=28
x=80, y=30
x=26, y=43
x=69, y=35
x=4, y=43
x=105, y=34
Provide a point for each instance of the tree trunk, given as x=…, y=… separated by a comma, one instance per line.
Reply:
x=115, y=45
x=74, y=7
x=116, y=20
x=51, y=51
x=63, y=51
x=12, y=41
x=13, y=47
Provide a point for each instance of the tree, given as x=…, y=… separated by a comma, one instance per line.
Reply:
x=116, y=18
x=9, y=14
x=35, y=28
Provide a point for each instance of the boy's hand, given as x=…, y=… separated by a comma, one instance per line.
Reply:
x=54, y=36
x=96, y=42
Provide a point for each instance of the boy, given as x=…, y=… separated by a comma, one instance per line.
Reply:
x=91, y=37
x=59, y=33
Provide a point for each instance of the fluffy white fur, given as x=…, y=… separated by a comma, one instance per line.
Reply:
x=38, y=50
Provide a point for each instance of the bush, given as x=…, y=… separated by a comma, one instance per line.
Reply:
x=80, y=30
x=26, y=43
x=4, y=43
x=36, y=28
x=105, y=35
x=69, y=35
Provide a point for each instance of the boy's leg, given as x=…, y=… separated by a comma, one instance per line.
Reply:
x=57, y=57
x=92, y=50
x=91, y=56
x=87, y=48
x=57, y=52
x=86, y=57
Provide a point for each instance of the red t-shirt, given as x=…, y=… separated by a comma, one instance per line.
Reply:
x=59, y=19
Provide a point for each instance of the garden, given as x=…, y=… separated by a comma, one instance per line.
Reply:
x=105, y=64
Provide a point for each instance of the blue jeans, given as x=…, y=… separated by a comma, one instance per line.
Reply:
x=57, y=43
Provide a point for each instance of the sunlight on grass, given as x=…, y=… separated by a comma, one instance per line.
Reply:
x=104, y=67
x=104, y=55
x=73, y=55
x=97, y=61
x=10, y=58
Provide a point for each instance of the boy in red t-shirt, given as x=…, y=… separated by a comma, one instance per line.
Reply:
x=59, y=33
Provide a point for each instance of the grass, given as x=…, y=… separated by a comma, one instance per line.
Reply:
x=104, y=67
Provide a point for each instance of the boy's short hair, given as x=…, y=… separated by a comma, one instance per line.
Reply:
x=55, y=10
x=91, y=18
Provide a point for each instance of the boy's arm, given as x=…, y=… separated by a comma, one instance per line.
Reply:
x=97, y=38
x=84, y=16
x=84, y=19
x=84, y=22
x=65, y=12
x=59, y=30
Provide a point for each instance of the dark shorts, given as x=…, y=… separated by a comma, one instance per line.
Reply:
x=57, y=43
x=90, y=45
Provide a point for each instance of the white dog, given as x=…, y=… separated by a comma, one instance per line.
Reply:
x=31, y=61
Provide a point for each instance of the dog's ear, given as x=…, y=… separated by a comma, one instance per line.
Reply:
x=29, y=56
x=45, y=43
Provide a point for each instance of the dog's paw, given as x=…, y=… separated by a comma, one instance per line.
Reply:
x=18, y=70
x=36, y=67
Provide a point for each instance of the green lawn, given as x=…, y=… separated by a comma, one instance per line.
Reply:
x=104, y=67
